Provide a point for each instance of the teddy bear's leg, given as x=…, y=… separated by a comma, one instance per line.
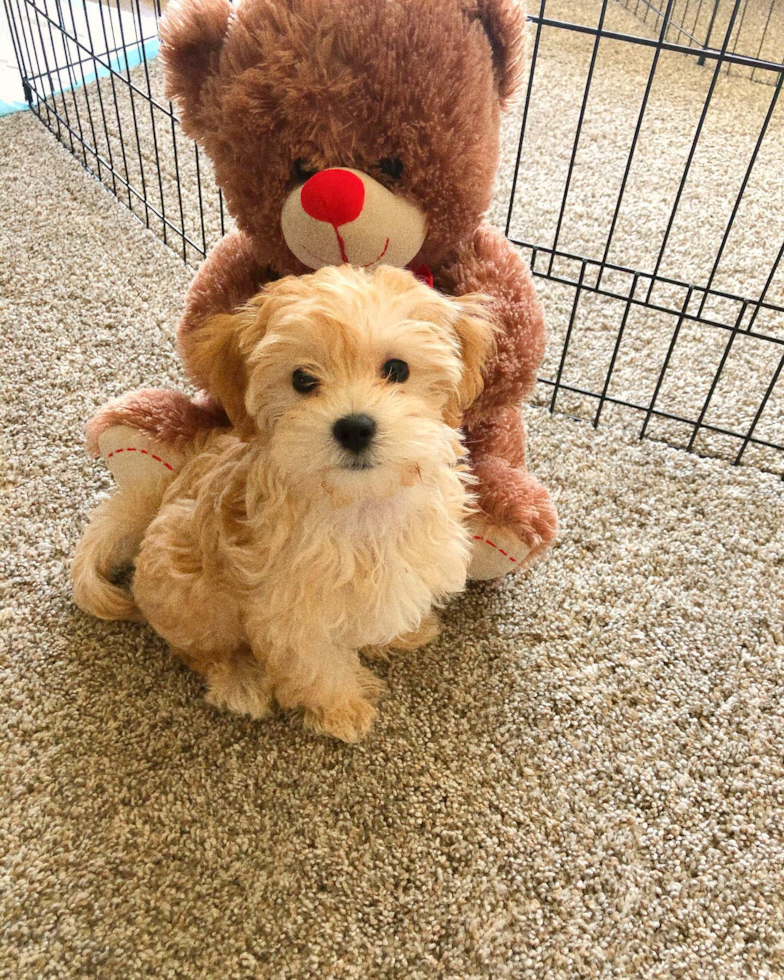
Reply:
x=517, y=521
x=142, y=436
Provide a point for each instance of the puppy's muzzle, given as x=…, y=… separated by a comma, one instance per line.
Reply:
x=354, y=433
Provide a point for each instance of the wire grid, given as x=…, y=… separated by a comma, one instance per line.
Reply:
x=87, y=71
x=126, y=134
x=733, y=314
x=698, y=23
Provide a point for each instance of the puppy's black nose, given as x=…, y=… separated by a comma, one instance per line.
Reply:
x=354, y=432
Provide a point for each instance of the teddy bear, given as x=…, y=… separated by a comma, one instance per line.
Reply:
x=360, y=131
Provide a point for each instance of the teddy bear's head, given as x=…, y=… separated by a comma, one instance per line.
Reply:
x=347, y=130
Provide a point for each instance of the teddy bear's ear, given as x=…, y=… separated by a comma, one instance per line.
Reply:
x=192, y=35
x=504, y=23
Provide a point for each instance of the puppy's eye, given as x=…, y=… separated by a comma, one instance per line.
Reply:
x=302, y=170
x=395, y=371
x=304, y=382
x=391, y=167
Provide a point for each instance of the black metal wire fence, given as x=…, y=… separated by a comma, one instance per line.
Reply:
x=90, y=73
x=700, y=23
x=642, y=177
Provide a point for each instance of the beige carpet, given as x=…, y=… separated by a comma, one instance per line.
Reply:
x=582, y=778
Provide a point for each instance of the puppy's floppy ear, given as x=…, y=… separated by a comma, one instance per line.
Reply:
x=192, y=35
x=475, y=331
x=218, y=353
x=504, y=24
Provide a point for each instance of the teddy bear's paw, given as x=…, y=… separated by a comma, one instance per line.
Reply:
x=136, y=462
x=517, y=516
x=495, y=551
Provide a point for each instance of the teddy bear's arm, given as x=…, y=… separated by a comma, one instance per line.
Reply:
x=515, y=505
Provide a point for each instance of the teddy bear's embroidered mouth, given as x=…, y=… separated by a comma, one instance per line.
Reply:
x=336, y=218
x=367, y=265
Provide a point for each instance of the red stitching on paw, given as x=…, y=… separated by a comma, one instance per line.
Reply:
x=144, y=452
x=478, y=537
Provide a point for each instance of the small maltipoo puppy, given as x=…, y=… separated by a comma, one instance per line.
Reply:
x=330, y=519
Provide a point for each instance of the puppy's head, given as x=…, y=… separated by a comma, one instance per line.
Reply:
x=353, y=380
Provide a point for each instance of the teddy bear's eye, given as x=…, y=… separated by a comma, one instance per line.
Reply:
x=391, y=167
x=304, y=382
x=302, y=170
x=395, y=371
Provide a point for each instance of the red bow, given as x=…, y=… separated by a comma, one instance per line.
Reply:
x=423, y=273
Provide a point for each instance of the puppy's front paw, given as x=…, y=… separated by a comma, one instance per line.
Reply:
x=239, y=688
x=348, y=720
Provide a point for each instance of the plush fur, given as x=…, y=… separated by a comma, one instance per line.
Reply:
x=274, y=87
x=271, y=560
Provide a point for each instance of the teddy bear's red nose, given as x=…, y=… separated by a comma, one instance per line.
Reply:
x=334, y=196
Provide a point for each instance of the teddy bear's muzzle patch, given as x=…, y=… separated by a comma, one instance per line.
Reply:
x=341, y=215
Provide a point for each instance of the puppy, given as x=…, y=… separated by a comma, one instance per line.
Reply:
x=331, y=518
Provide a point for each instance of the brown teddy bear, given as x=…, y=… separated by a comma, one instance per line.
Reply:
x=359, y=131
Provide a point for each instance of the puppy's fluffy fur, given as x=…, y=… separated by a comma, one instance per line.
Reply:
x=276, y=554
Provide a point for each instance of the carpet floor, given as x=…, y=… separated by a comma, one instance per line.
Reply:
x=582, y=777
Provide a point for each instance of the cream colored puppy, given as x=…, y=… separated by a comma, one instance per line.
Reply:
x=331, y=519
